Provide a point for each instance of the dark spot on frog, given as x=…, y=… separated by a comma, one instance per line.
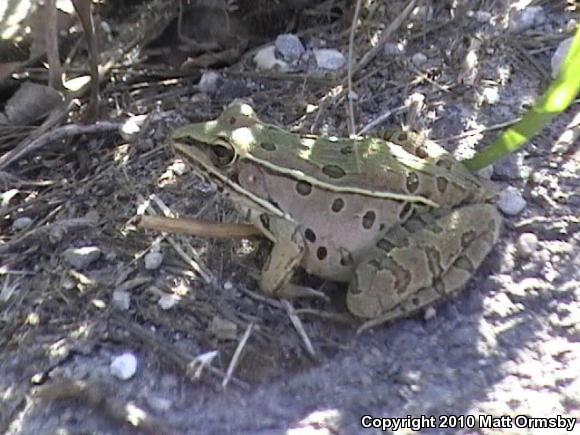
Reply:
x=412, y=182
x=385, y=245
x=416, y=301
x=303, y=188
x=442, y=163
x=346, y=150
x=321, y=253
x=333, y=171
x=421, y=153
x=346, y=259
x=403, y=136
x=268, y=146
x=337, y=205
x=265, y=220
x=368, y=219
x=232, y=120
x=406, y=212
x=442, y=183
x=309, y=235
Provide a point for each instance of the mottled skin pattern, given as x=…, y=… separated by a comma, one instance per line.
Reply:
x=404, y=223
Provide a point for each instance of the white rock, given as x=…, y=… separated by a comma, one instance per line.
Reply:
x=179, y=168
x=490, y=95
x=124, y=367
x=131, y=127
x=419, y=59
x=511, y=201
x=531, y=16
x=430, y=313
x=393, y=49
x=289, y=46
x=266, y=59
x=153, y=260
x=82, y=257
x=527, y=244
x=512, y=167
x=208, y=83
x=559, y=56
x=422, y=13
x=329, y=58
x=121, y=300
x=168, y=301
x=21, y=223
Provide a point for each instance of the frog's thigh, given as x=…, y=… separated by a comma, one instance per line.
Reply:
x=425, y=265
x=285, y=256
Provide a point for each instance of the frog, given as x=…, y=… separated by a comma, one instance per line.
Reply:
x=403, y=223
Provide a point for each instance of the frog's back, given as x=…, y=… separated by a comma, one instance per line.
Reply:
x=370, y=166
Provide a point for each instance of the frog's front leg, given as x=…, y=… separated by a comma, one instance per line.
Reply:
x=286, y=255
x=414, y=265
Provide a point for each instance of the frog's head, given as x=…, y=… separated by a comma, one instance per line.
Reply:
x=222, y=140
x=219, y=131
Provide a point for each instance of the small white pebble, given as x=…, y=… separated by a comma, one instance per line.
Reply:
x=266, y=59
x=124, y=367
x=527, y=244
x=21, y=223
x=131, y=127
x=393, y=49
x=511, y=201
x=153, y=260
x=430, y=312
x=208, y=83
x=121, y=300
x=328, y=58
x=419, y=59
x=168, y=301
x=228, y=285
x=289, y=46
x=490, y=95
x=179, y=168
x=82, y=257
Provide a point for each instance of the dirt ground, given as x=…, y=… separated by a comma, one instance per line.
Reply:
x=508, y=345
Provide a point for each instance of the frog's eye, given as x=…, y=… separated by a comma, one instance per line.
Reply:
x=223, y=155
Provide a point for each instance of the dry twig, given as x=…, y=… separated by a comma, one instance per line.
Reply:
x=196, y=227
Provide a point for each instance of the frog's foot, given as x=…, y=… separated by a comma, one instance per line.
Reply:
x=411, y=268
x=286, y=255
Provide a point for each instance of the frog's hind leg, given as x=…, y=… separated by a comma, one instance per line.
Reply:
x=421, y=262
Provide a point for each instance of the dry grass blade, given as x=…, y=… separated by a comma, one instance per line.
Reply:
x=299, y=328
x=237, y=355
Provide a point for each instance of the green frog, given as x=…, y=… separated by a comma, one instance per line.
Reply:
x=404, y=224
